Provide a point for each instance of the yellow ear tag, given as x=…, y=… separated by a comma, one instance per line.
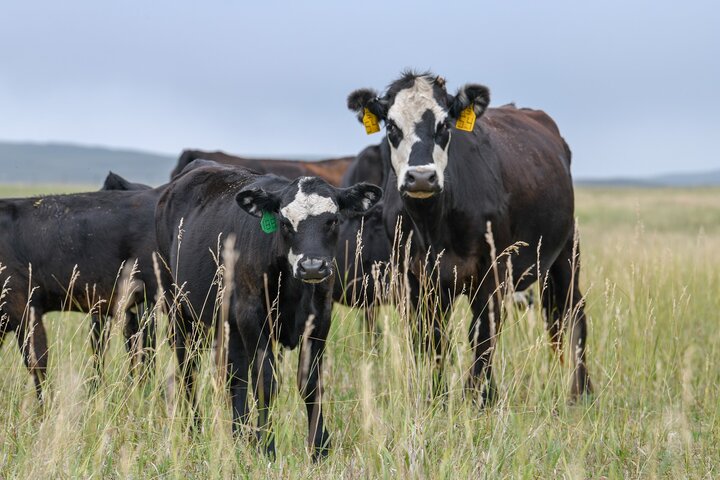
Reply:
x=466, y=120
x=370, y=121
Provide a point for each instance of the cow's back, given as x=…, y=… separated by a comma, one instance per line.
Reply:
x=87, y=234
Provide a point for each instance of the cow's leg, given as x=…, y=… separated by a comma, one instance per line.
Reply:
x=310, y=371
x=370, y=304
x=237, y=372
x=484, y=328
x=553, y=316
x=186, y=351
x=140, y=339
x=99, y=333
x=569, y=303
x=130, y=332
x=32, y=342
x=149, y=328
x=431, y=310
x=251, y=319
x=372, y=311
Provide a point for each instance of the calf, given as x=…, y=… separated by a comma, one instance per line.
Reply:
x=64, y=252
x=292, y=264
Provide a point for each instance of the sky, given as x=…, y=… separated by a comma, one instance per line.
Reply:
x=633, y=86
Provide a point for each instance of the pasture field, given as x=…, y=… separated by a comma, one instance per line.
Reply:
x=651, y=275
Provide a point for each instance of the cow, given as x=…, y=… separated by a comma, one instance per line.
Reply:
x=331, y=170
x=356, y=282
x=353, y=285
x=291, y=264
x=65, y=252
x=452, y=180
x=134, y=314
x=113, y=181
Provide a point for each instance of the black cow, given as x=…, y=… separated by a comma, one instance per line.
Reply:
x=113, y=181
x=295, y=262
x=355, y=285
x=52, y=243
x=511, y=170
x=331, y=170
x=134, y=314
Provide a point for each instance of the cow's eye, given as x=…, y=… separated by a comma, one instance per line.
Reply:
x=332, y=223
x=441, y=128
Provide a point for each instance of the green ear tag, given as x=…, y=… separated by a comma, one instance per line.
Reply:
x=268, y=222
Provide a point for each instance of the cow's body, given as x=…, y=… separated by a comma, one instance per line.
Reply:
x=210, y=201
x=331, y=170
x=512, y=172
x=356, y=285
x=87, y=234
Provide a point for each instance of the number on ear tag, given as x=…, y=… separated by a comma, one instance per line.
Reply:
x=466, y=120
x=268, y=223
x=370, y=121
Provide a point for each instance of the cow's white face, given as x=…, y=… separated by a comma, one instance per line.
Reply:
x=419, y=138
x=418, y=114
x=308, y=211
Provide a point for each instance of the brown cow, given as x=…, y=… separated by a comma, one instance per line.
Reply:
x=330, y=170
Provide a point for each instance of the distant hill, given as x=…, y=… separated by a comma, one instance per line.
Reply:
x=685, y=179
x=86, y=165
x=66, y=163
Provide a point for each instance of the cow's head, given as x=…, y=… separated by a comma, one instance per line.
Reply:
x=419, y=117
x=307, y=213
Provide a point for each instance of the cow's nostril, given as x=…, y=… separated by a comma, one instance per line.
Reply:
x=411, y=177
x=432, y=178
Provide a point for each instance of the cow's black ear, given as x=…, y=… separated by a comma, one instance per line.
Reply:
x=471, y=94
x=364, y=98
x=255, y=201
x=359, y=198
x=113, y=181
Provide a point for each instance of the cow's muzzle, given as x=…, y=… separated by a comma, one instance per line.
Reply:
x=420, y=183
x=313, y=270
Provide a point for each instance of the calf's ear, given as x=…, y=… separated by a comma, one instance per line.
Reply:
x=364, y=98
x=255, y=201
x=471, y=94
x=359, y=198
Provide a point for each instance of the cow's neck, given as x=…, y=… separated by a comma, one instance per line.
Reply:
x=428, y=219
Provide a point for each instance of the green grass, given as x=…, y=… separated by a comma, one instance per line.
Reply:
x=12, y=190
x=651, y=270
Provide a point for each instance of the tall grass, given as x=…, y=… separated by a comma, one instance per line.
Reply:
x=650, y=272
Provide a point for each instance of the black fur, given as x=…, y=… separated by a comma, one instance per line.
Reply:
x=364, y=98
x=207, y=202
x=113, y=181
x=512, y=172
x=470, y=94
x=256, y=200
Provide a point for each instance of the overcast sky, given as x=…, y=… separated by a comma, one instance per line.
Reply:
x=634, y=88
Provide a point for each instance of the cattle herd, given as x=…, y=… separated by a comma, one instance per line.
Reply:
x=274, y=243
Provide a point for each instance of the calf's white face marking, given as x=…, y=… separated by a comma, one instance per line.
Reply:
x=303, y=206
x=406, y=111
x=294, y=261
x=306, y=205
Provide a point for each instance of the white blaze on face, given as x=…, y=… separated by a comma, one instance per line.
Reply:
x=407, y=110
x=307, y=205
x=303, y=206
